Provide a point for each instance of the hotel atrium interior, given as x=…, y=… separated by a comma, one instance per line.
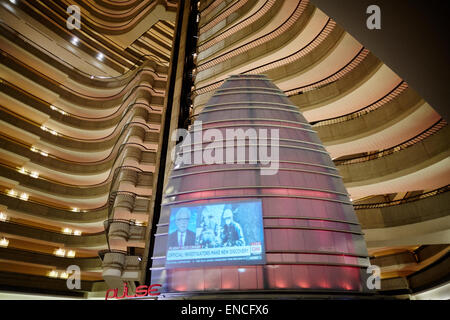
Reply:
x=88, y=110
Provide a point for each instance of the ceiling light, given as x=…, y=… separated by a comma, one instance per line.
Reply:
x=22, y=170
x=75, y=210
x=34, y=149
x=3, y=217
x=12, y=193
x=75, y=41
x=71, y=254
x=53, y=274
x=100, y=56
x=12, y=1
x=24, y=196
x=67, y=231
x=53, y=132
x=4, y=242
x=64, y=275
x=59, y=252
x=53, y=107
x=77, y=232
x=34, y=174
x=44, y=128
x=45, y=154
x=92, y=77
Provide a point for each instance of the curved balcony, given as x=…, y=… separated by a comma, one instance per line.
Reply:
x=239, y=25
x=427, y=206
x=119, y=266
x=133, y=132
x=46, y=24
x=133, y=175
x=226, y=16
x=97, y=240
x=111, y=12
x=18, y=278
x=421, y=219
x=216, y=39
x=124, y=229
x=57, y=53
x=282, y=30
x=209, y=9
x=38, y=83
x=24, y=256
x=406, y=263
x=20, y=46
x=420, y=163
x=378, y=126
x=111, y=23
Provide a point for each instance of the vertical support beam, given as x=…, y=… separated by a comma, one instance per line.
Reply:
x=169, y=123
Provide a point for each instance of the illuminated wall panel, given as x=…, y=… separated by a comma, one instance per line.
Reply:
x=312, y=238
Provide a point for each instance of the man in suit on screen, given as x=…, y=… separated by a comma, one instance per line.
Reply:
x=182, y=236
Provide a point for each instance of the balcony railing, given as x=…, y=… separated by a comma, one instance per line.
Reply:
x=416, y=139
x=402, y=201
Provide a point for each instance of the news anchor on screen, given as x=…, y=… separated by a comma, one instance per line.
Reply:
x=182, y=236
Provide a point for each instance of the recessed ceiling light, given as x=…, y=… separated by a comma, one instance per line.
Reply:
x=100, y=56
x=24, y=196
x=4, y=242
x=34, y=174
x=53, y=274
x=60, y=252
x=75, y=41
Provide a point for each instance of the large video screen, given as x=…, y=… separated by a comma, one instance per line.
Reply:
x=229, y=233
